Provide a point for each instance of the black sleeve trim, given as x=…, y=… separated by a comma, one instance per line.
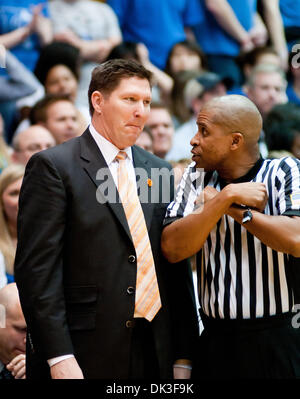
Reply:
x=291, y=212
x=170, y=220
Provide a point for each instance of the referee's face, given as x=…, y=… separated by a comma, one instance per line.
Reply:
x=211, y=144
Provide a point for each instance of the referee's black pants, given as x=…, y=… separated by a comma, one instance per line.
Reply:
x=240, y=349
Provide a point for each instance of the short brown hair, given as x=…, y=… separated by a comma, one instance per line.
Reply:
x=160, y=105
x=265, y=68
x=107, y=76
x=38, y=112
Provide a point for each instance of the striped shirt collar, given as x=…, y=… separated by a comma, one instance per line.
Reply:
x=248, y=176
x=196, y=174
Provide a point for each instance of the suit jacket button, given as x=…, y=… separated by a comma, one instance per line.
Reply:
x=129, y=323
x=131, y=258
x=130, y=290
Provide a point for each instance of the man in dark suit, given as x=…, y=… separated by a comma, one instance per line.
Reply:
x=77, y=259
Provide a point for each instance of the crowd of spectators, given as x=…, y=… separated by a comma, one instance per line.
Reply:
x=196, y=50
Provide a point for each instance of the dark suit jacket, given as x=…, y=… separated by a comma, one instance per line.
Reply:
x=75, y=261
x=5, y=374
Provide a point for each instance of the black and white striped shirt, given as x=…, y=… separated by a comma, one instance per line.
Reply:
x=239, y=276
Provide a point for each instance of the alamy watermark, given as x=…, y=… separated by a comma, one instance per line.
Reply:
x=154, y=188
x=296, y=58
x=296, y=318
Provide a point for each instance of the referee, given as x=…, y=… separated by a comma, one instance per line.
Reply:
x=241, y=215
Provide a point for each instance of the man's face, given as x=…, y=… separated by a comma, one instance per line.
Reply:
x=217, y=91
x=210, y=144
x=13, y=336
x=62, y=121
x=60, y=80
x=162, y=129
x=124, y=112
x=268, y=90
x=32, y=141
x=144, y=141
x=184, y=59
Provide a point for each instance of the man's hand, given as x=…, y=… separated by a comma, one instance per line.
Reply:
x=67, y=369
x=259, y=36
x=207, y=194
x=68, y=36
x=17, y=367
x=246, y=44
x=38, y=20
x=254, y=195
x=40, y=25
x=180, y=373
x=182, y=369
x=259, y=32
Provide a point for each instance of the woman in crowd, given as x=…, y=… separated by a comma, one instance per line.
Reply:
x=185, y=61
x=10, y=185
x=58, y=69
x=185, y=56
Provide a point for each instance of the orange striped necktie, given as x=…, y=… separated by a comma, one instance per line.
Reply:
x=147, y=298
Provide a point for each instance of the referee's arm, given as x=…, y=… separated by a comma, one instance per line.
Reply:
x=281, y=233
x=185, y=236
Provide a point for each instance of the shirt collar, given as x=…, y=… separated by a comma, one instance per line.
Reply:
x=108, y=149
x=195, y=174
x=248, y=176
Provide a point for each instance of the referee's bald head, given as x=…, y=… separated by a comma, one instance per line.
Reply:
x=236, y=113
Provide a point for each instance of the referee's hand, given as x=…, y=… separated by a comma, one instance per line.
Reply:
x=251, y=194
x=207, y=194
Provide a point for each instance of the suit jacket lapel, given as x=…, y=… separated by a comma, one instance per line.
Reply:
x=95, y=162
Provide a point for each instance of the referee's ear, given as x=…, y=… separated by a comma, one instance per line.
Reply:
x=237, y=140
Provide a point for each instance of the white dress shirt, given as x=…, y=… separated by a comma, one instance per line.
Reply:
x=109, y=152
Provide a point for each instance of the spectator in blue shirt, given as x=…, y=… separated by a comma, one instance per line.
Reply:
x=227, y=29
x=290, y=11
x=158, y=24
x=24, y=28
